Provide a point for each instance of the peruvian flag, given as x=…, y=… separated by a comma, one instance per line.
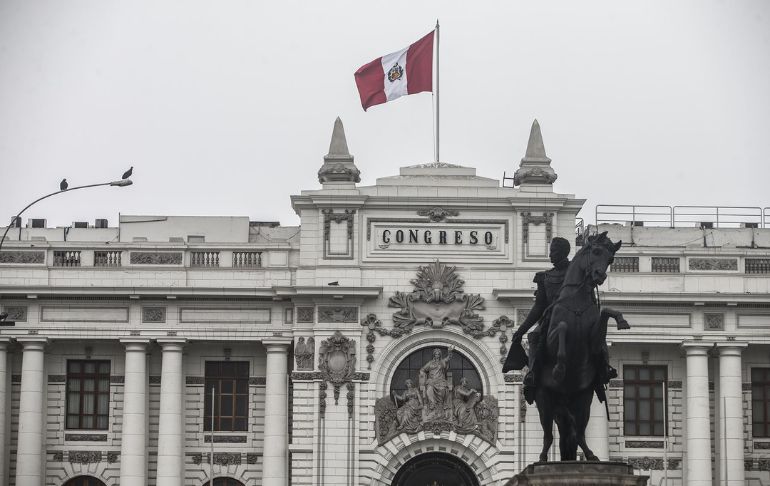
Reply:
x=392, y=76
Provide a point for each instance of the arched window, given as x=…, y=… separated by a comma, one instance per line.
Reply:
x=84, y=481
x=222, y=481
x=459, y=367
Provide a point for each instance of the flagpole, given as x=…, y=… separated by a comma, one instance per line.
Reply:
x=437, y=97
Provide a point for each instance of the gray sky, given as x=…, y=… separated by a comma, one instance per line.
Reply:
x=227, y=107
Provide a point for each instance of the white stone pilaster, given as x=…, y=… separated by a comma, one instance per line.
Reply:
x=276, y=437
x=698, y=424
x=133, y=448
x=4, y=437
x=170, y=470
x=597, y=432
x=30, y=461
x=731, y=414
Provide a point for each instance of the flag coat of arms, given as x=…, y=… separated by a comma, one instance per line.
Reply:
x=394, y=75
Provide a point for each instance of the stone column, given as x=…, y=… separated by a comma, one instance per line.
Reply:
x=4, y=442
x=731, y=414
x=133, y=447
x=276, y=437
x=597, y=432
x=30, y=461
x=697, y=421
x=170, y=429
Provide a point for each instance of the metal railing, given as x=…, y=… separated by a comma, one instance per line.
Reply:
x=684, y=216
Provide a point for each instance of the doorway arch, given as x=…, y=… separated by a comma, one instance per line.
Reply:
x=224, y=481
x=435, y=469
x=84, y=481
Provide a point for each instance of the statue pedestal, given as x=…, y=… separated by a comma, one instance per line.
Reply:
x=578, y=473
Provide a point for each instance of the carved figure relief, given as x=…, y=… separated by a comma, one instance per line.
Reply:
x=304, y=353
x=438, y=301
x=436, y=405
x=438, y=214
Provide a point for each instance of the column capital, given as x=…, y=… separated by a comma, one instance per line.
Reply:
x=731, y=348
x=275, y=346
x=135, y=343
x=33, y=342
x=172, y=343
x=4, y=343
x=697, y=348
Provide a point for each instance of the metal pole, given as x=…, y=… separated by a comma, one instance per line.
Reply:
x=665, y=435
x=438, y=131
x=211, y=457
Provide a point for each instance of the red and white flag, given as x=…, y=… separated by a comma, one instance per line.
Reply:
x=394, y=75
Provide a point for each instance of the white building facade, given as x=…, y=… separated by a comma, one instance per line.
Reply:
x=307, y=336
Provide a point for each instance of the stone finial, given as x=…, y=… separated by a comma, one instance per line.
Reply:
x=535, y=167
x=338, y=168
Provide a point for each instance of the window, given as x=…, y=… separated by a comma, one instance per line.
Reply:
x=643, y=409
x=88, y=394
x=230, y=381
x=459, y=367
x=224, y=482
x=760, y=402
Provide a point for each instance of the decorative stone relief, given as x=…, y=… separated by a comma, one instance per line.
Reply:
x=714, y=322
x=85, y=437
x=154, y=314
x=338, y=218
x=761, y=445
x=156, y=258
x=252, y=458
x=304, y=352
x=22, y=256
x=17, y=313
x=644, y=444
x=503, y=323
x=437, y=214
x=112, y=457
x=437, y=301
x=322, y=397
x=226, y=439
x=197, y=458
x=337, y=314
x=460, y=408
x=653, y=463
x=227, y=458
x=351, y=395
x=84, y=457
x=721, y=264
x=58, y=456
x=57, y=379
x=526, y=220
x=338, y=172
x=305, y=314
x=337, y=361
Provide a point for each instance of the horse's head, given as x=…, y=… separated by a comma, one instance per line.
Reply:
x=599, y=252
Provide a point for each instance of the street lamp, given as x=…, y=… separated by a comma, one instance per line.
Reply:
x=125, y=181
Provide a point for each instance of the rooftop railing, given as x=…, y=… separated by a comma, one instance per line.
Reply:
x=684, y=216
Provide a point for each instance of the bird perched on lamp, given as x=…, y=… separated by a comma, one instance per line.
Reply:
x=63, y=185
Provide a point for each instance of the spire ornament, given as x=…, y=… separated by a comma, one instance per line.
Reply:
x=535, y=167
x=338, y=168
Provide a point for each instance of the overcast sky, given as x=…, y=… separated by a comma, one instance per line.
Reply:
x=226, y=108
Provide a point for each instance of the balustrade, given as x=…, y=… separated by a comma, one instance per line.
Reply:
x=625, y=264
x=665, y=265
x=111, y=258
x=204, y=259
x=758, y=265
x=247, y=259
x=66, y=258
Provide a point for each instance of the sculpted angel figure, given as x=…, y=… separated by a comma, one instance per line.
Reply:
x=466, y=399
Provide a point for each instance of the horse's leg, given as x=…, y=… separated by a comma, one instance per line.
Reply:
x=620, y=321
x=582, y=415
x=545, y=410
x=559, y=333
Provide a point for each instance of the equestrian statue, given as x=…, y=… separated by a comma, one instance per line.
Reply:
x=568, y=359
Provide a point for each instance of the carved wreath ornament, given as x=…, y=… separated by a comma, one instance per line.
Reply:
x=437, y=301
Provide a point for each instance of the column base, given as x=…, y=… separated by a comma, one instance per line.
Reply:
x=578, y=473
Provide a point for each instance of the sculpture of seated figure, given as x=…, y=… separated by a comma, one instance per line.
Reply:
x=409, y=414
x=435, y=388
x=466, y=399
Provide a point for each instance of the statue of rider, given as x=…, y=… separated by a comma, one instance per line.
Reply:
x=549, y=284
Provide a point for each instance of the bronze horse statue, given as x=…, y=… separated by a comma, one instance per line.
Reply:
x=574, y=343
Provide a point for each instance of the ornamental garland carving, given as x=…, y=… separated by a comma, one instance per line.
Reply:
x=337, y=363
x=437, y=301
x=21, y=256
x=156, y=258
x=438, y=214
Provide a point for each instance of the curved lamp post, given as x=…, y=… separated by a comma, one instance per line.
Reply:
x=120, y=183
